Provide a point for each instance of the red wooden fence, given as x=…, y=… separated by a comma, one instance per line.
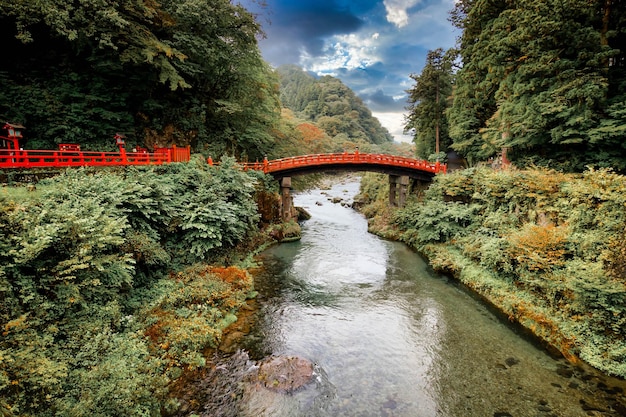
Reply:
x=11, y=158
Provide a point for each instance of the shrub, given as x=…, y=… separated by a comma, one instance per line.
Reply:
x=538, y=247
x=194, y=307
x=85, y=254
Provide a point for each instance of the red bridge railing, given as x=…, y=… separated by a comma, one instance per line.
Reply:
x=278, y=165
x=10, y=158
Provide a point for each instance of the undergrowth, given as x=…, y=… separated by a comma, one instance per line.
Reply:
x=105, y=296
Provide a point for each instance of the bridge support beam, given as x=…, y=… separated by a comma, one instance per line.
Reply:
x=398, y=186
x=286, y=200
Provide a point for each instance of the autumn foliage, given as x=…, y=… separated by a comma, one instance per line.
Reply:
x=310, y=132
x=539, y=247
x=196, y=306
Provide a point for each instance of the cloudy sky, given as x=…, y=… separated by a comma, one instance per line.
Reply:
x=371, y=46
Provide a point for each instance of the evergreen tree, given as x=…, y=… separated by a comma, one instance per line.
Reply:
x=473, y=101
x=173, y=72
x=537, y=78
x=428, y=101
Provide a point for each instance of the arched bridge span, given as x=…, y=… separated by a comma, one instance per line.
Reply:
x=386, y=164
x=399, y=169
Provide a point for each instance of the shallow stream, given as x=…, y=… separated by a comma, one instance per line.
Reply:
x=389, y=337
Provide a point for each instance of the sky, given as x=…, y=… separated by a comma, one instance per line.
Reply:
x=372, y=46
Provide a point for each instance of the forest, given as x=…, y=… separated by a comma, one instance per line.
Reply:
x=331, y=105
x=542, y=79
x=160, y=74
x=114, y=283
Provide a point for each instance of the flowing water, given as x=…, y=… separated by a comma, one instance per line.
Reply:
x=389, y=337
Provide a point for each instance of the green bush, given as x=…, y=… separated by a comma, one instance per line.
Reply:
x=546, y=247
x=82, y=257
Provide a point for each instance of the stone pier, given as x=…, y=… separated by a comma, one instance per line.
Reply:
x=398, y=187
x=286, y=200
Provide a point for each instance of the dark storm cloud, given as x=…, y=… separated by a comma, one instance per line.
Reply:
x=381, y=102
x=371, y=83
x=404, y=58
x=297, y=27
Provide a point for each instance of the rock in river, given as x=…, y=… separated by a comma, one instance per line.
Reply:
x=283, y=373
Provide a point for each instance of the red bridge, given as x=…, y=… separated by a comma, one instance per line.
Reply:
x=398, y=168
x=386, y=164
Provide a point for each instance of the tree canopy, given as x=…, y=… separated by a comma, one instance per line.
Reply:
x=174, y=72
x=543, y=78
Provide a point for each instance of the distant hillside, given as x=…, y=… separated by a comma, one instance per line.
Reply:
x=330, y=104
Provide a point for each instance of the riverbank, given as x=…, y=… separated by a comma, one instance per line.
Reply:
x=220, y=386
x=545, y=248
x=501, y=372
x=113, y=283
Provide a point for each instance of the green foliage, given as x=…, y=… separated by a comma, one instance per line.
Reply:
x=373, y=187
x=65, y=252
x=543, y=78
x=113, y=374
x=434, y=222
x=162, y=73
x=214, y=211
x=85, y=253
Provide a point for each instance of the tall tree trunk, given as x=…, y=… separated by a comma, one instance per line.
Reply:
x=605, y=22
x=437, y=121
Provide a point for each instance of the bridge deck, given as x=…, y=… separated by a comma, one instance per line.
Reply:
x=330, y=160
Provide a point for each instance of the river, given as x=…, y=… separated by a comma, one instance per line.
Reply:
x=389, y=337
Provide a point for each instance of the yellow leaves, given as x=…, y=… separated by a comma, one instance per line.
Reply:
x=198, y=303
x=539, y=247
x=544, y=326
x=237, y=277
x=614, y=258
x=18, y=324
